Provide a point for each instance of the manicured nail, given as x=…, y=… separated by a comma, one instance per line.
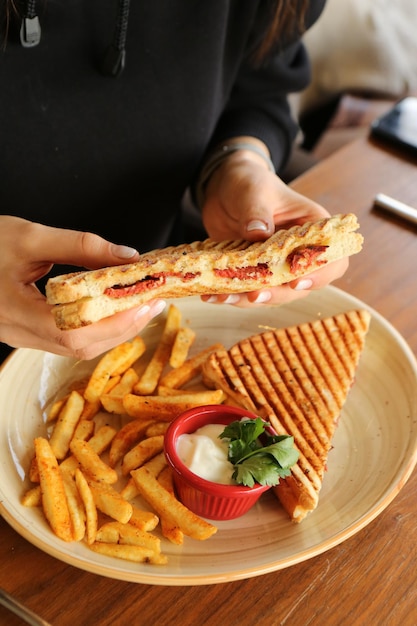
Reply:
x=305, y=283
x=124, y=252
x=263, y=296
x=257, y=225
x=158, y=307
x=155, y=309
x=231, y=299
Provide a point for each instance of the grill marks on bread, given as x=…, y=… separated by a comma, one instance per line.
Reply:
x=297, y=378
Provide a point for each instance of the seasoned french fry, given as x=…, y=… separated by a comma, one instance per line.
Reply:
x=84, y=429
x=172, y=509
x=91, y=517
x=126, y=383
x=113, y=363
x=54, y=500
x=75, y=506
x=128, y=535
x=33, y=496
x=150, y=378
x=66, y=424
x=55, y=409
x=91, y=463
x=99, y=442
x=156, y=465
x=145, y=520
x=129, y=491
x=142, y=452
x=169, y=529
x=189, y=369
x=138, y=554
x=184, y=339
x=174, y=391
x=112, y=404
x=156, y=428
x=33, y=471
x=110, y=502
x=166, y=408
x=125, y=438
x=108, y=533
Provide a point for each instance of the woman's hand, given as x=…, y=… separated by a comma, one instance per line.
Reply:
x=245, y=200
x=27, y=253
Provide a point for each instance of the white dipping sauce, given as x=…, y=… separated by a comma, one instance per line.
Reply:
x=206, y=455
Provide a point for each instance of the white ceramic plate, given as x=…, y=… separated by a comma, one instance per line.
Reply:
x=375, y=450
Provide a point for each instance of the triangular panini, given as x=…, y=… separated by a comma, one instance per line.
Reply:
x=298, y=379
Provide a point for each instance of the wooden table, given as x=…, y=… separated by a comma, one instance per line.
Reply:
x=370, y=578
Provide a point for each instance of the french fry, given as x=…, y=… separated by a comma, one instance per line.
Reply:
x=184, y=339
x=33, y=471
x=109, y=501
x=126, y=383
x=108, y=533
x=156, y=428
x=65, y=425
x=99, y=442
x=170, y=530
x=113, y=363
x=145, y=520
x=164, y=503
x=55, y=409
x=54, y=500
x=166, y=408
x=75, y=506
x=112, y=404
x=150, y=378
x=84, y=429
x=174, y=391
x=33, y=496
x=91, y=463
x=91, y=517
x=156, y=464
x=137, y=554
x=129, y=535
x=129, y=491
x=142, y=452
x=125, y=438
x=189, y=369
x=90, y=409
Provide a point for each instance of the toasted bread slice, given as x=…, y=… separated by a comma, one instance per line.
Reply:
x=202, y=267
x=298, y=379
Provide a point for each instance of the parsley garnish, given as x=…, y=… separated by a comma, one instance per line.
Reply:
x=257, y=456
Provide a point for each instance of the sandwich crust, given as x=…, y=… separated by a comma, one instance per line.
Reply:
x=202, y=267
x=298, y=379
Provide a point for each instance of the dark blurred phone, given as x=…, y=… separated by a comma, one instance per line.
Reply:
x=398, y=127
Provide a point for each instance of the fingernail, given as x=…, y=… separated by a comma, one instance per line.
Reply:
x=263, y=296
x=124, y=252
x=257, y=225
x=231, y=299
x=158, y=307
x=155, y=309
x=306, y=283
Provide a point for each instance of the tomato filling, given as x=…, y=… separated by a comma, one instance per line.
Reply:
x=303, y=258
x=146, y=284
x=243, y=273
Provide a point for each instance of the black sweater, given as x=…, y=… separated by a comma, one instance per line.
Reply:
x=115, y=155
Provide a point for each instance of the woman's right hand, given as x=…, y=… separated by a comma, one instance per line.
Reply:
x=27, y=253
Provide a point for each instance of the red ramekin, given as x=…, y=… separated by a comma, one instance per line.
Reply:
x=203, y=497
